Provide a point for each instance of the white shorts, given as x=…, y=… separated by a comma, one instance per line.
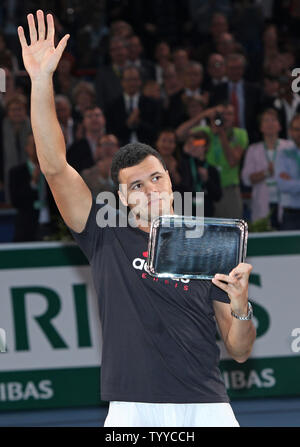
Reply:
x=132, y=414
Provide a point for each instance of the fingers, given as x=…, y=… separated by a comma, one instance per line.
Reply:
x=41, y=24
x=241, y=269
x=22, y=37
x=32, y=29
x=220, y=284
x=226, y=278
x=41, y=35
x=50, y=28
x=62, y=44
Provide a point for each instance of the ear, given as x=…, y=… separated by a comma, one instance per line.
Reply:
x=122, y=198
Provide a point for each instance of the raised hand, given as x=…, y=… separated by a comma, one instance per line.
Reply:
x=41, y=57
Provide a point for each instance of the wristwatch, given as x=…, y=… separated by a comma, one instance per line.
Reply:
x=247, y=317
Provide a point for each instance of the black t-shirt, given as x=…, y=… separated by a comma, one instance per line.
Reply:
x=159, y=335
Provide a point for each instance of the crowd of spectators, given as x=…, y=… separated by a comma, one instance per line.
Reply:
x=208, y=84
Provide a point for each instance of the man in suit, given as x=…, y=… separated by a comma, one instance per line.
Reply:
x=31, y=196
x=108, y=78
x=244, y=96
x=135, y=51
x=133, y=116
x=81, y=154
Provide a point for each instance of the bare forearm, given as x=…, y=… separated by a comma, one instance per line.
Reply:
x=49, y=139
x=240, y=339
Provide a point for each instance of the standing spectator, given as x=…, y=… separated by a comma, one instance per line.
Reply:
x=135, y=59
x=133, y=116
x=193, y=79
x=162, y=55
x=258, y=169
x=81, y=154
x=227, y=145
x=98, y=177
x=244, y=96
x=166, y=146
x=287, y=174
x=64, y=115
x=15, y=129
x=198, y=174
x=172, y=92
x=31, y=197
x=108, y=78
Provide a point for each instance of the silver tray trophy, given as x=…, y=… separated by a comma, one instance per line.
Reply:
x=193, y=247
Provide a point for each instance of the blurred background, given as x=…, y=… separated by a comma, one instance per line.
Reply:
x=210, y=85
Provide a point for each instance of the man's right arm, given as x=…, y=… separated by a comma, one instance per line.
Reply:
x=71, y=194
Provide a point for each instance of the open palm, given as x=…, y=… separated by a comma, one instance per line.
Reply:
x=41, y=57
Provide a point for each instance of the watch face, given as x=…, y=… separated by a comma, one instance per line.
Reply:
x=190, y=247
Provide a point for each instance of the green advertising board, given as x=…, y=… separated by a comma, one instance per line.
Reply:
x=49, y=315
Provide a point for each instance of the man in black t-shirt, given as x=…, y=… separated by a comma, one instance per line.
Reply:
x=160, y=357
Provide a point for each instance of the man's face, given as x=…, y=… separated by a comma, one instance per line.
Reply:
x=295, y=132
x=131, y=81
x=118, y=52
x=235, y=70
x=135, y=48
x=146, y=188
x=16, y=112
x=193, y=77
x=216, y=66
x=94, y=120
x=63, y=111
x=107, y=147
x=166, y=143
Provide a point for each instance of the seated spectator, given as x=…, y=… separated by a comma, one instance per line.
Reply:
x=84, y=97
x=63, y=80
x=172, y=92
x=166, y=146
x=227, y=145
x=198, y=175
x=162, y=55
x=15, y=129
x=258, y=169
x=287, y=174
x=98, y=177
x=216, y=72
x=64, y=116
x=193, y=79
x=31, y=197
x=108, y=78
x=7, y=58
x=81, y=154
x=133, y=116
x=181, y=59
x=287, y=104
x=218, y=26
x=244, y=96
x=135, y=59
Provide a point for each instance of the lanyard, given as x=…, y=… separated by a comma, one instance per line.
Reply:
x=195, y=174
x=274, y=152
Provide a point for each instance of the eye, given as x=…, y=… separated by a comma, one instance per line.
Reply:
x=136, y=187
x=156, y=177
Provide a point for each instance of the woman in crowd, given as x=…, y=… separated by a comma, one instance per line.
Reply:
x=258, y=169
x=166, y=146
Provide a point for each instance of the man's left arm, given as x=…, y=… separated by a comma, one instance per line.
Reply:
x=238, y=335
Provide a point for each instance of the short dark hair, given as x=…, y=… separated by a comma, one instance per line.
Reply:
x=131, y=155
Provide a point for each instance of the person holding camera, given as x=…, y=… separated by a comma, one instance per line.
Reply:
x=227, y=145
x=198, y=175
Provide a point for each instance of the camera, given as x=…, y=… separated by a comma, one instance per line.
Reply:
x=218, y=119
